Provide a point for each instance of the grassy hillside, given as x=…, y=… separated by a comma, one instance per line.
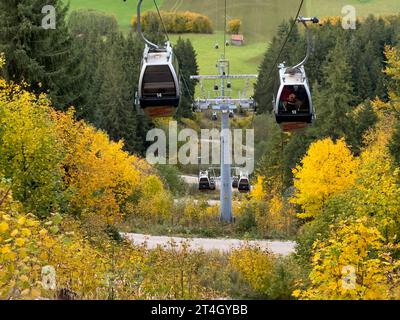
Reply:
x=244, y=59
x=363, y=7
x=122, y=10
x=260, y=17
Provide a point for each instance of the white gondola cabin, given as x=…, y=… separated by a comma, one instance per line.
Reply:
x=204, y=181
x=159, y=87
x=243, y=183
x=293, y=106
x=235, y=181
x=292, y=103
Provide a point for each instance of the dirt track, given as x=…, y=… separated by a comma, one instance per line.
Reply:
x=277, y=247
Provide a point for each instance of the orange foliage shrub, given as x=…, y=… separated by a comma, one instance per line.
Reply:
x=177, y=22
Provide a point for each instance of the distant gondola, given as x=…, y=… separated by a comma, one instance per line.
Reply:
x=243, y=183
x=204, y=181
x=235, y=182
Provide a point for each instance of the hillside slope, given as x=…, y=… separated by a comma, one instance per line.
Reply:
x=261, y=17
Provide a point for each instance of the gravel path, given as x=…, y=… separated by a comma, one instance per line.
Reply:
x=277, y=247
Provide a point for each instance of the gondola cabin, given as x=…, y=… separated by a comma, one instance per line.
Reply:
x=212, y=183
x=243, y=183
x=204, y=181
x=292, y=104
x=158, y=90
x=235, y=182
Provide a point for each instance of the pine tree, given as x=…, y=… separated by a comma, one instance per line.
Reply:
x=334, y=101
x=40, y=57
x=89, y=31
x=115, y=112
x=187, y=58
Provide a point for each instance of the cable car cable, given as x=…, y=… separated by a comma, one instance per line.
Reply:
x=139, y=27
x=225, y=31
x=161, y=19
x=286, y=39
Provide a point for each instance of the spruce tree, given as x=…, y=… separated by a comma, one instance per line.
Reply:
x=40, y=57
x=333, y=102
x=187, y=59
x=90, y=30
x=115, y=111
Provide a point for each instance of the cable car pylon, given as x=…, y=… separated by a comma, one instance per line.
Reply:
x=225, y=106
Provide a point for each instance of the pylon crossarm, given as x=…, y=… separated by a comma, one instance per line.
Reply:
x=228, y=76
x=224, y=101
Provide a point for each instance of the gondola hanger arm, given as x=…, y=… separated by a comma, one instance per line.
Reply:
x=304, y=21
x=139, y=28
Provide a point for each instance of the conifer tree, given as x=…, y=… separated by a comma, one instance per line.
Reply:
x=89, y=31
x=335, y=99
x=187, y=58
x=40, y=57
x=115, y=111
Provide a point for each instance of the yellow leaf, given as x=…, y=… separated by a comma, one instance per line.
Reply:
x=5, y=249
x=14, y=233
x=19, y=242
x=21, y=221
x=26, y=232
x=35, y=293
x=3, y=226
x=25, y=292
x=24, y=278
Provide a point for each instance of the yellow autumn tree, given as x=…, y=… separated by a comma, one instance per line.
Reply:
x=155, y=202
x=327, y=169
x=234, y=26
x=392, y=107
x=100, y=177
x=255, y=265
x=258, y=193
x=29, y=151
x=353, y=263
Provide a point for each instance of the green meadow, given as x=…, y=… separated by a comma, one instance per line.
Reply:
x=122, y=10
